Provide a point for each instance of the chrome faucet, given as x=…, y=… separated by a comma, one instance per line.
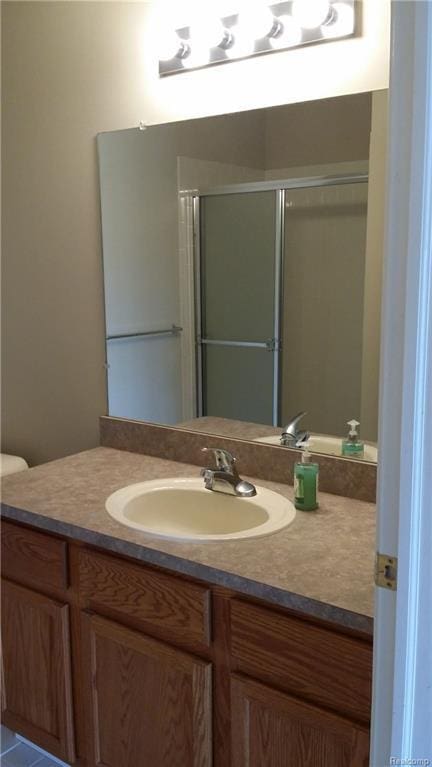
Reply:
x=290, y=437
x=224, y=478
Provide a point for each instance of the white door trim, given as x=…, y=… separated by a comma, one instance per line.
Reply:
x=402, y=699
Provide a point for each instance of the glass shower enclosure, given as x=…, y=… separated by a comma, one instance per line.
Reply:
x=278, y=267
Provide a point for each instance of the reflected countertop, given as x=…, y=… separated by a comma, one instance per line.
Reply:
x=227, y=427
x=321, y=565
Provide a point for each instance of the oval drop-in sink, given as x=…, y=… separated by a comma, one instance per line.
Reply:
x=182, y=509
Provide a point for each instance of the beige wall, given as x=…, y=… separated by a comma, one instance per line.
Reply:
x=66, y=75
x=70, y=70
x=344, y=126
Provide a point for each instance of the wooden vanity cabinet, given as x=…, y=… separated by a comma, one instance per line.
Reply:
x=169, y=672
x=36, y=656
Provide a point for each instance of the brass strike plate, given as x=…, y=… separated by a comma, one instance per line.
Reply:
x=386, y=571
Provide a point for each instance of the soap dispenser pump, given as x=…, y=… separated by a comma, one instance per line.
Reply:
x=306, y=481
x=353, y=446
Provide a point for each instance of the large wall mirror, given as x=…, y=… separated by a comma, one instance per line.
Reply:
x=240, y=275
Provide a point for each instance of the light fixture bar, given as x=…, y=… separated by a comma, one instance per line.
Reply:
x=282, y=26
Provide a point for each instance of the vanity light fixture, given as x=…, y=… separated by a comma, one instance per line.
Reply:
x=259, y=27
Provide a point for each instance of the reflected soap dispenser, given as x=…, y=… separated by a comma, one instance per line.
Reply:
x=306, y=481
x=352, y=446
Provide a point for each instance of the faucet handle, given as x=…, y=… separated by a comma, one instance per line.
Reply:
x=224, y=460
x=208, y=476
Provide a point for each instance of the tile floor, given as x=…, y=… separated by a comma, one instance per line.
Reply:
x=15, y=753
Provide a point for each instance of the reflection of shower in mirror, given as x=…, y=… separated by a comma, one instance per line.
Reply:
x=241, y=270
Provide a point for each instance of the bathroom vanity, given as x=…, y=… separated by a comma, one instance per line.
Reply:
x=124, y=650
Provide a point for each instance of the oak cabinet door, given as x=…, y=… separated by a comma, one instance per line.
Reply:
x=271, y=729
x=150, y=703
x=37, y=693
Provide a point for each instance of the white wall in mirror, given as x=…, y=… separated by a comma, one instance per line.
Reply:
x=141, y=173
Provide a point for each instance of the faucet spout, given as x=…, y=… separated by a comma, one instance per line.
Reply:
x=225, y=477
x=291, y=436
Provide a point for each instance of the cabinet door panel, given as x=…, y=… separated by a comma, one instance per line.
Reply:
x=151, y=704
x=271, y=729
x=37, y=678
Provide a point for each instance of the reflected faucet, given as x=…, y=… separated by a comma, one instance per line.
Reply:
x=224, y=478
x=290, y=436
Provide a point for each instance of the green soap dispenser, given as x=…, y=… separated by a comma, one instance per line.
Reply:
x=353, y=446
x=306, y=482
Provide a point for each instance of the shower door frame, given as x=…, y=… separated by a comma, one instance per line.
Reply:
x=274, y=345
x=271, y=345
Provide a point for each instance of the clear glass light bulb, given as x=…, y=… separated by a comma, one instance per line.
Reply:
x=256, y=21
x=242, y=44
x=341, y=23
x=310, y=14
x=199, y=56
x=289, y=35
x=207, y=31
x=169, y=45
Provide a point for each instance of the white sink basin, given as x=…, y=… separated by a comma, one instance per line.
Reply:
x=182, y=509
x=323, y=443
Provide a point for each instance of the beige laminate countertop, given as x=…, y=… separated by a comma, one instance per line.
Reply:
x=321, y=565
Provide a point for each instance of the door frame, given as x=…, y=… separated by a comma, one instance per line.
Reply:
x=402, y=687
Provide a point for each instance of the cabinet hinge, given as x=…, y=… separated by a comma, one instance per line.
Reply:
x=386, y=571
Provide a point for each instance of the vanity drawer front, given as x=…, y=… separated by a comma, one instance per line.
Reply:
x=314, y=663
x=33, y=558
x=170, y=606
